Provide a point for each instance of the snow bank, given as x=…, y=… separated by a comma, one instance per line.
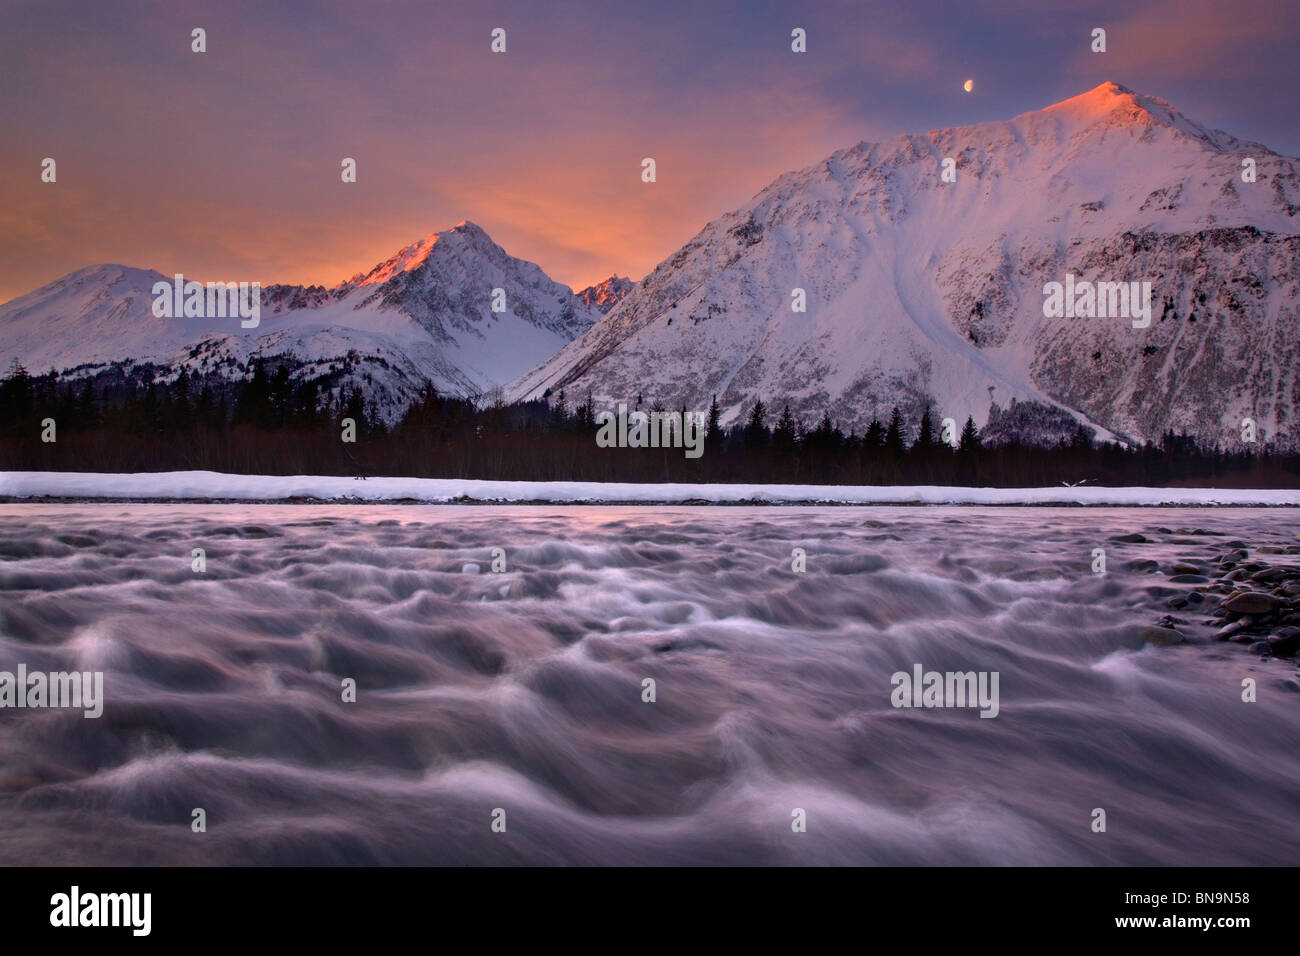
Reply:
x=211, y=484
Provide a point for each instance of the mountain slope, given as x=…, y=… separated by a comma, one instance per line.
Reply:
x=425, y=314
x=919, y=289
x=607, y=294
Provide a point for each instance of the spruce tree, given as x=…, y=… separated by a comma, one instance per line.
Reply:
x=713, y=433
x=925, y=438
x=894, y=436
x=756, y=429
x=182, y=409
x=874, y=439
x=560, y=414
x=783, y=435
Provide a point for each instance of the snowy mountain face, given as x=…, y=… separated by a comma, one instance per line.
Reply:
x=923, y=290
x=424, y=315
x=605, y=295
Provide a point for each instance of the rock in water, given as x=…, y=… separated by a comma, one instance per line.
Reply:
x=1285, y=640
x=1161, y=636
x=1252, y=602
x=1227, y=631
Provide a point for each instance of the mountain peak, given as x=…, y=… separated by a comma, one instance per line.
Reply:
x=1108, y=89
x=409, y=258
x=1105, y=99
x=607, y=294
x=1114, y=104
x=405, y=260
x=1111, y=184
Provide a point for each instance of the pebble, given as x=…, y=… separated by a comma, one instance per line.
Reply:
x=1227, y=631
x=1285, y=640
x=1263, y=602
x=1252, y=602
x=1160, y=635
x=1269, y=574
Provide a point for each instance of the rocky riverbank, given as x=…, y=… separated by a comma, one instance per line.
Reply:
x=1250, y=593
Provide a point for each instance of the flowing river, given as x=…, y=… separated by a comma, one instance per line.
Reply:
x=505, y=716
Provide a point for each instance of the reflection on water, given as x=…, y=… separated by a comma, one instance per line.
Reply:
x=523, y=690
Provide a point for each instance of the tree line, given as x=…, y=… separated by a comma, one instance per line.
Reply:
x=275, y=423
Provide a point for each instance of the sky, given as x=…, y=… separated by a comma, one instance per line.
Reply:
x=225, y=165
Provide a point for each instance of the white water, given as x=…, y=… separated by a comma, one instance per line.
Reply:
x=522, y=690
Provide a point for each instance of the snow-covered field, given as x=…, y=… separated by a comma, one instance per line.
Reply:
x=197, y=485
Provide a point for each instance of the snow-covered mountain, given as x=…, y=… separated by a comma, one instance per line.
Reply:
x=425, y=314
x=923, y=290
x=607, y=294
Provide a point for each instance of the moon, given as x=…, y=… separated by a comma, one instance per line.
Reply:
x=968, y=85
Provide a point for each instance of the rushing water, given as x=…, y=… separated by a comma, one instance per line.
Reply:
x=522, y=690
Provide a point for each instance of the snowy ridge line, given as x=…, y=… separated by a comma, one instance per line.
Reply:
x=201, y=485
x=919, y=291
